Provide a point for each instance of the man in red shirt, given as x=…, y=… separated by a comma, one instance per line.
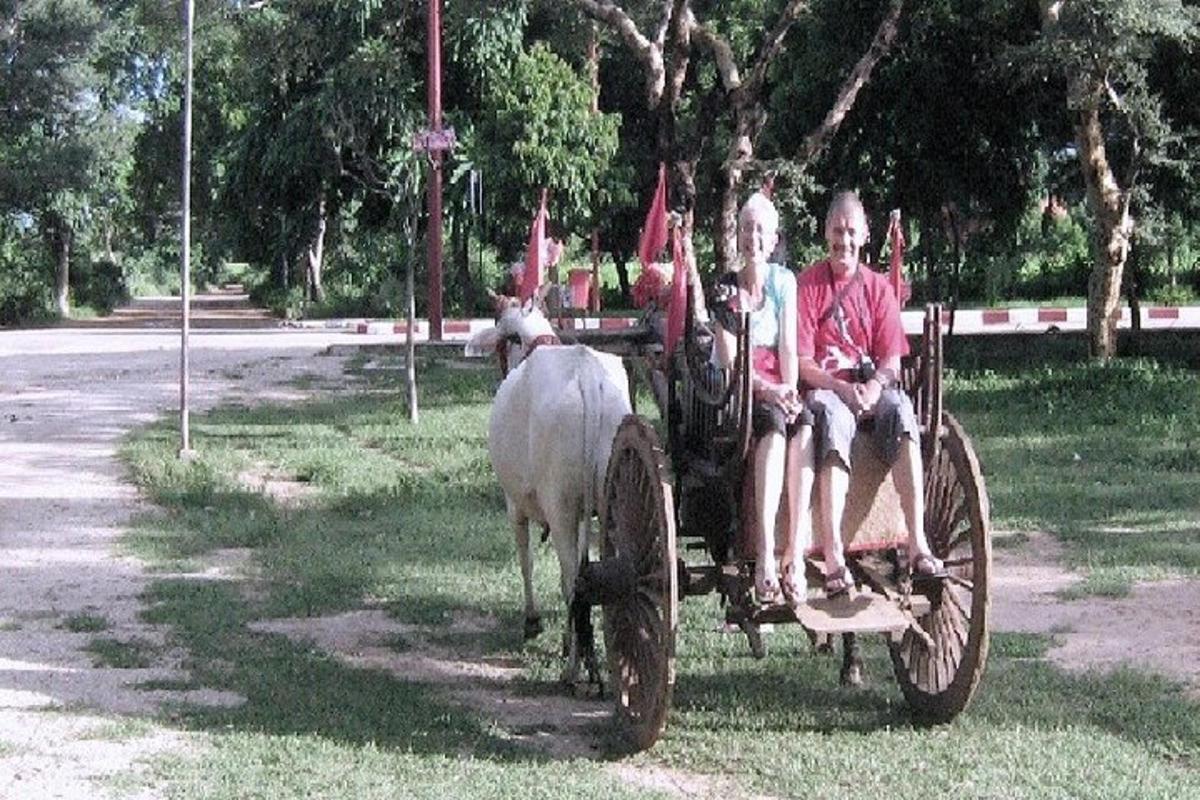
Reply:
x=849, y=342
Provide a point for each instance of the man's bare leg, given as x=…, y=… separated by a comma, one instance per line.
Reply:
x=835, y=483
x=910, y=484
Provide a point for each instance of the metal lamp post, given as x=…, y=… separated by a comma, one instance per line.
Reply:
x=185, y=218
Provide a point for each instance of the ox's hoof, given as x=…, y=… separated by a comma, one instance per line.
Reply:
x=533, y=627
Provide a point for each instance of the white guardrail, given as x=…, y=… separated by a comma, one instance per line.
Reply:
x=970, y=321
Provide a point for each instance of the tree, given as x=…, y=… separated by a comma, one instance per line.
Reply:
x=1101, y=48
x=946, y=133
x=665, y=56
x=52, y=129
x=538, y=130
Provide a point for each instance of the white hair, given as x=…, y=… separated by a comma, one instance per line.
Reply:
x=845, y=201
x=758, y=204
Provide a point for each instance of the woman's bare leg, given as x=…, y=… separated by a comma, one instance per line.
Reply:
x=769, y=458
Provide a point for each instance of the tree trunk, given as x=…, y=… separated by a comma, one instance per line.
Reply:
x=1110, y=238
x=1133, y=288
x=620, y=261
x=748, y=122
x=57, y=235
x=665, y=56
x=1109, y=204
x=62, y=300
x=315, y=257
x=459, y=237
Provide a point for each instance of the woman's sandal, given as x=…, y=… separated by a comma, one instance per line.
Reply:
x=928, y=567
x=766, y=590
x=838, y=583
x=794, y=594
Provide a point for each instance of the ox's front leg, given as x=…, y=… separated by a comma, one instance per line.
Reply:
x=520, y=526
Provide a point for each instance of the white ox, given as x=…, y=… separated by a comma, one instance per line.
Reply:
x=549, y=437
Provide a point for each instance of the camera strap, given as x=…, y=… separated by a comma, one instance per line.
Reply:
x=838, y=314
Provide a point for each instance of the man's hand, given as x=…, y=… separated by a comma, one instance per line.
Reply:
x=868, y=393
x=849, y=394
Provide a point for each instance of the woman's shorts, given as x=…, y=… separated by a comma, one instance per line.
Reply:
x=836, y=426
x=768, y=418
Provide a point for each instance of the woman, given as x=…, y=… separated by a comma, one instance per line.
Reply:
x=782, y=425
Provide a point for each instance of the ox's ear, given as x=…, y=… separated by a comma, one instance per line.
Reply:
x=483, y=343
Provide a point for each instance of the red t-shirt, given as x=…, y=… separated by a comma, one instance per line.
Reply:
x=868, y=322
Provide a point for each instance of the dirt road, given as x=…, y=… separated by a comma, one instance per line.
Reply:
x=67, y=396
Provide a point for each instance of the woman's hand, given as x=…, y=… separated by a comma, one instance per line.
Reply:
x=783, y=395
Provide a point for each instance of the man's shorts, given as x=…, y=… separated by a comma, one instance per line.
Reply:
x=768, y=418
x=836, y=426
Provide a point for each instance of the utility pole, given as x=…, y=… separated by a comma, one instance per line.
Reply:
x=435, y=142
x=185, y=227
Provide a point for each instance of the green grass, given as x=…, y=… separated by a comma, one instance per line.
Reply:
x=118, y=730
x=409, y=519
x=84, y=623
x=120, y=654
x=1107, y=458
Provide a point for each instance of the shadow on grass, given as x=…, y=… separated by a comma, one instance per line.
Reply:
x=293, y=689
x=798, y=692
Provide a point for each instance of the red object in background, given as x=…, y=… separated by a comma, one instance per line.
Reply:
x=535, y=252
x=896, y=266
x=678, y=306
x=654, y=231
x=580, y=281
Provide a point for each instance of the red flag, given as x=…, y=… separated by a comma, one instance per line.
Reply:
x=896, y=266
x=677, y=310
x=535, y=253
x=654, y=232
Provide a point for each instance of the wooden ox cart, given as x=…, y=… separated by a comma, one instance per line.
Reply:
x=662, y=504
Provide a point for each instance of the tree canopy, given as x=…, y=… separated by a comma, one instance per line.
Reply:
x=981, y=120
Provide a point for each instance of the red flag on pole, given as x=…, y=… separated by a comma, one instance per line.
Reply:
x=654, y=232
x=896, y=266
x=535, y=252
x=678, y=307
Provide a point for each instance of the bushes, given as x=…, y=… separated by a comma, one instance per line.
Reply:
x=98, y=284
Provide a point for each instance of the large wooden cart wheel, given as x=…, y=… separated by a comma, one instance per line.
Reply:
x=940, y=671
x=639, y=628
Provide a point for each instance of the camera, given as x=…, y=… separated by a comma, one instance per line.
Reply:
x=864, y=370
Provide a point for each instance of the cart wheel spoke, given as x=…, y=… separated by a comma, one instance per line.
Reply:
x=939, y=681
x=639, y=629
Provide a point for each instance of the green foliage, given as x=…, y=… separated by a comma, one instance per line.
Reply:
x=24, y=276
x=1177, y=295
x=99, y=284
x=309, y=103
x=540, y=132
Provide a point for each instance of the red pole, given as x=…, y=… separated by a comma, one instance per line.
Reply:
x=434, y=39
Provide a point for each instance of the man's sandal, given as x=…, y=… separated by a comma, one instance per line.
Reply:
x=794, y=593
x=838, y=583
x=928, y=567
